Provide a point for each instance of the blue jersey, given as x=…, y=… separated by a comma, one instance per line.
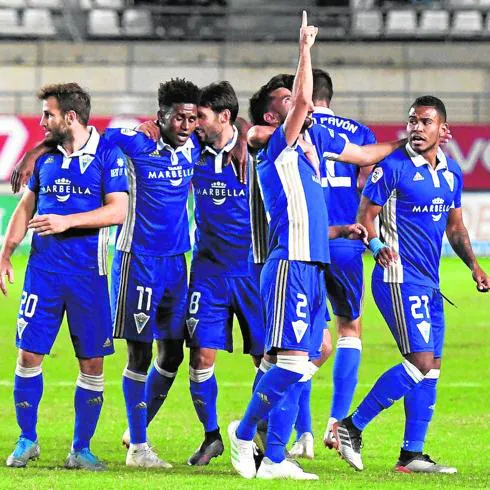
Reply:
x=294, y=199
x=76, y=183
x=344, y=197
x=222, y=214
x=159, y=178
x=416, y=200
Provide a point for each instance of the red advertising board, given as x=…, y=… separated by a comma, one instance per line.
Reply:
x=470, y=146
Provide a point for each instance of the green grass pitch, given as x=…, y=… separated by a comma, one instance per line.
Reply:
x=459, y=435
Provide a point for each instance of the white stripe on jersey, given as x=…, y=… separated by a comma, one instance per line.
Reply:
x=287, y=166
x=258, y=217
x=102, y=250
x=125, y=239
x=389, y=233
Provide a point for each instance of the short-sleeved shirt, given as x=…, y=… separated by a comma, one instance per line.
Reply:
x=68, y=184
x=415, y=200
x=344, y=197
x=294, y=198
x=159, y=177
x=222, y=214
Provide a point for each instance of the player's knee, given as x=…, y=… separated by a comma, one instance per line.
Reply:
x=423, y=361
x=139, y=356
x=28, y=359
x=349, y=328
x=92, y=367
x=170, y=354
x=202, y=358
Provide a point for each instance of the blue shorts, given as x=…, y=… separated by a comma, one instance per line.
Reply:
x=213, y=300
x=294, y=300
x=148, y=297
x=45, y=298
x=345, y=284
x=415, y=315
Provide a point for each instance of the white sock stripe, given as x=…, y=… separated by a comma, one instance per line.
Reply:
x=162, y=372
x=90, y=382
x=265, y=365
x=201, y=375
x=25, y=372
x=134, y=376
x=296, y=364
x=433, y=374
x=349, y=343
x=412, y=371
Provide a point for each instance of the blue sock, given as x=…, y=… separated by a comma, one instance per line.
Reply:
x=303, y=420
x=345, y=369
x=89, y=397
x=419, y=408
x=133, y=385
x=204, y=393
x=268, y=393
x=281, y=420
x=263, y=368
x=28, y=390
x=391, y=386
x=157, y=386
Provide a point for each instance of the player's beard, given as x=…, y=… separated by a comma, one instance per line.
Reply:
x=59, y=134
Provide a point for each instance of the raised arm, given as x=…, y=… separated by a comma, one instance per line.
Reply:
x=113, y=212
x=368, y=212
x=458, y=237
x=16, y=231
x=303, y=84
x=367, y=155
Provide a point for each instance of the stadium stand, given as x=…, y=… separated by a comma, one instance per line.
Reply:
x=401, y=22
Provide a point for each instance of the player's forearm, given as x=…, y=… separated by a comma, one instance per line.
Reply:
x=334, y=232
x=367, y=155
x=258, y=136
x=16, y=230
x=461, y=244
x=107, y=215
x=303, y=80
x=367, y=217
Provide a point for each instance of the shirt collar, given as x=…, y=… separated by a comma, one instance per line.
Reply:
x=188, y=145
x=418, y=160
x=89, y=148
x=323, y=110
x=227, y=148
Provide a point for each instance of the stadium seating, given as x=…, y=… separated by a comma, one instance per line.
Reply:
x=103, y=23
x=137, y=23
x=401, y=23
x=434, y=22
x=50, y=4
x=467, y=23
x=38, y=22
x=9, y=20
x=367, y=23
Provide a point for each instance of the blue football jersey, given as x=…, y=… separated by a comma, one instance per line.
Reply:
x=222, y=214
x=344, y=197
x=76, y=183
x=293, y=197
x=416, y=200
x=159, y=178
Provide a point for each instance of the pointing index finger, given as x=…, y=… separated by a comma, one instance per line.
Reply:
x=304, y=21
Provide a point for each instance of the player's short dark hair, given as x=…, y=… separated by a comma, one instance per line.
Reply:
x=259, y=102
x=178, y=91
x=70, y=97
x=431, y=101
x=219, y=97
x=322, y=85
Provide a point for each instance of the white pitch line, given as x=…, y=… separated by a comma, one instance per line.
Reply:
x=228, y=384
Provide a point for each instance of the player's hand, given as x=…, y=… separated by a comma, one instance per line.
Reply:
x=6, y=270
x=49, y=224
x=150, y=129
x=386, y=257
x=447, y=137
x=22, y=172
x=307, y=34
x=482, y=280
x=238, y=157
x=355, y=231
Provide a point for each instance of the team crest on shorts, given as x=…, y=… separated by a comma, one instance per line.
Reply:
x=191, y=325
x=21, y=326
x=140, y=319
x=299, y=327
